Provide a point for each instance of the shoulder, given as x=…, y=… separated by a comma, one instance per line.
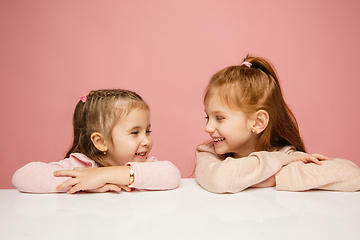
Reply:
x=77, y=160
x=291, y=150
x=287, y=149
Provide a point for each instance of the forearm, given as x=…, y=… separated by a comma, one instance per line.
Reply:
x=234, y=175
x=157, y=175
x=37, y=177
x=270, y=182
x=118, y=175
x=336, y=174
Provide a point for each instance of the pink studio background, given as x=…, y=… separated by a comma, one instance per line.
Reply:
x=52, y=52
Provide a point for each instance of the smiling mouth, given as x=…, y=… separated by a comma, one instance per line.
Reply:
x=219, y=139
x=141, y=154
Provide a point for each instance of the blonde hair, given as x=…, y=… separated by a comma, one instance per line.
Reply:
x=254, y=87
x=100, y=112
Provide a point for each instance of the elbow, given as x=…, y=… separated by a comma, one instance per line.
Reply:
x=16, y=180
x=21, y=182
x=32, y=178
x=175, y=177
x=270, y=182
x=211, y=183
x=211, y=186
x=168, y=180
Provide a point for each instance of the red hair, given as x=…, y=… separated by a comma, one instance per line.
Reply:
x=254, y=88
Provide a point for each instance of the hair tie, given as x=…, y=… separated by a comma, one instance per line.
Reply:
x=83, y=98
x=246, y=63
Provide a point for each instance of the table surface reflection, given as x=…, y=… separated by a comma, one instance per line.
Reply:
x=188, y=212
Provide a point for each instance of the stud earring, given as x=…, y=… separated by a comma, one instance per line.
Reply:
x=104, y=152
x=254, y=131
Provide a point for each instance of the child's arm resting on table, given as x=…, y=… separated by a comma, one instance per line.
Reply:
x=101, y=179
x=334, y=174
x=153, y=175
x=37, y=177
x=305, y=158
x=236, y=174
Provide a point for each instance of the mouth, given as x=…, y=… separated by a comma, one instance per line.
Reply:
x=218, y=140
x=141, y=154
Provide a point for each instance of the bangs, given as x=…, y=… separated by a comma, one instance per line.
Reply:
x=231, y=94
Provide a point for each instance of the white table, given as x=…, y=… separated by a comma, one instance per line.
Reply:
x=188, y=212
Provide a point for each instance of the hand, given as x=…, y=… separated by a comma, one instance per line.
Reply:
x=87, y=179
x=308, y=158
x=109, y=188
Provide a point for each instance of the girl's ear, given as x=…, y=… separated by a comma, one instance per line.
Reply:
x=99, y=141
x=261, y=121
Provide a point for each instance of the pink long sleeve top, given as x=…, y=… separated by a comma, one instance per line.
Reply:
x=233, y=175
x=37, y=177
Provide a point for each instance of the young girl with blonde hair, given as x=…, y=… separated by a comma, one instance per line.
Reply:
x=256, y=140
x=109, y=152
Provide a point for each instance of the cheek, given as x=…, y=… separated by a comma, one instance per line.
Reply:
x=150, y=144
x=227, y=129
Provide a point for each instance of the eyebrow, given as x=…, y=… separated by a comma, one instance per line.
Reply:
x=138, y=127
x=134, y=128
x=216, y=112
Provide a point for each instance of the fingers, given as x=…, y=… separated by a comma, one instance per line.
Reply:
x=67, y=184
x=66, y=173
x=75, y=189
x=305, y=158
x=106, y=188
x=321, y=157
x=84, y=179
x=314, y=160
x=79, y=168
x=126, y=188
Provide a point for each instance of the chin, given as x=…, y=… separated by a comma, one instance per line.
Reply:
x=218, y=151
x=139, y=159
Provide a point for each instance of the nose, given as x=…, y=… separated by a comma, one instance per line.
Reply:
x=146, y=141
x=209, y=128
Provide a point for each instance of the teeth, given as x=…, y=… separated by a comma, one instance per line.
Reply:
x=141, y=154
x=218, y=139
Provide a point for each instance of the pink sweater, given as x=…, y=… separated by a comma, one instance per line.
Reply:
x=236, y=174
x=37, y=177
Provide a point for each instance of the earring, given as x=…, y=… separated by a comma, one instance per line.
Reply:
x=254, y=131
x=104, y=152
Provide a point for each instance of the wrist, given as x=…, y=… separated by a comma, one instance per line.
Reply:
x=118, y=175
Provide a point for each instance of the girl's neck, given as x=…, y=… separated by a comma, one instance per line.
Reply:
x=246, y=149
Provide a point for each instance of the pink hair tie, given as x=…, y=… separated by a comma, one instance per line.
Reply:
x=83, y=98
x=246, y=63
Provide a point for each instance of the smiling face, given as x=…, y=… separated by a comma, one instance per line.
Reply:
x=231, y=130
x=131, y=140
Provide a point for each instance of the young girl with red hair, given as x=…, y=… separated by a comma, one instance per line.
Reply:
x=256, y=140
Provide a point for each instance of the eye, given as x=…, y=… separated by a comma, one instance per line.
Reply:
x=219, y=118
x=134, y=133
x=148, y=131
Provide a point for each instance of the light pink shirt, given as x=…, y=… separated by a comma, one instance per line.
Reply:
x=236, y=174
x=37, y=177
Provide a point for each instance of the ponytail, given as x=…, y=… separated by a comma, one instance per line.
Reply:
x=254, y=86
